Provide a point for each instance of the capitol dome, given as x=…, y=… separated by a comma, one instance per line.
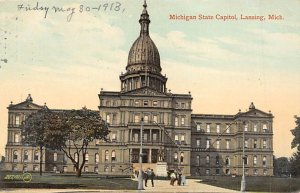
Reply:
x=143, y=52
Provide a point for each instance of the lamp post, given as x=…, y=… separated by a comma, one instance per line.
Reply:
x=140, y=180
x=243, y=181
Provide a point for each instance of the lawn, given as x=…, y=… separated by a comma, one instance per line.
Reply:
x=255, y=184
x=70, y=181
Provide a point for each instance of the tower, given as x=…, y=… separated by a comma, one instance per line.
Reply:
x=143, y=67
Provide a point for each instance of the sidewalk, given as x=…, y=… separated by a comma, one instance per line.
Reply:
x=162, y=186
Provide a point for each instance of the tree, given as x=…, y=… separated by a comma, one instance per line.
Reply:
x=34, y=131
x=295, y=159
x=72, y=131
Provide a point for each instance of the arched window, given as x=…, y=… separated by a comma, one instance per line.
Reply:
x=175, y=156
x=36, y=155
x=227, y=161
x=26, y=156
x=17, y=138
x=86, y=157
x=97, y=158
x=181, y=156
x=254, y=160
x=16, y=155
x=217, y=160
x=106, y=155
x=264, y=162
x=76, y=157
x=113, y=155
x=86, y=168
x=55, y=156
x=207, y=159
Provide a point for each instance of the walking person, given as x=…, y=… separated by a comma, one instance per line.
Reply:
x=179, y=174
x=152, y=177
x=145, y=175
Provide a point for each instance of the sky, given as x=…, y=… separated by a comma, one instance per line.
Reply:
x=65, y=58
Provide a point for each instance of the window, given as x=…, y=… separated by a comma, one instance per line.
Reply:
x=106, y=168
x=246, y=127
x=65, y=158
x=176, y=105
x=114, y=137
x=218, y=128
x=198, y=142
x=176, y=138
x=182, y=138
x=55, y=156
x=265, y=171
x=154, y=137
x=136, y=118
x=208, y=128
x=255, y=127
x=136, y=137
x=96, y=170
x=227, y=171
x=227, y=128
x=16, y=155
x=106, y=155
x=227, y=161
x=175, y=156
x=137, y=103
x=264, y=143
x=97, y=141
x=182, y=120
x=246, y=143
x=145, y=137
x=76, y=157
x=218, y=144
x=14, y=168
x=108, y=118
x=254, y=160
x=198, y=126
x=207, y=143
x=176, y=121
x=181, y=157
x=113, y=155
x=218, y=171
x=198, y=160
x=36, y=156
x=17, y=139
x=113, y=168
x=227, y=143
x=154, y=103
x=35, y=168
x=86, y=169
x=54, y=168
x=255, y=172
x=86, y=157
x=108, y=103
x=217, y=160
x=246, y=160
x=207, y=159
x=146, y=118
x=183, y=105
x=255, y=143
x=265, y=127
x=26, y=156
x=155, y=119
x=145, y=103
x=207, y=171
x=264, y=162
x=97, y=158
x=17, y=120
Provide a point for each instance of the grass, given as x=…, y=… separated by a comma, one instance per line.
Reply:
x=71, y=181
x=255, y=184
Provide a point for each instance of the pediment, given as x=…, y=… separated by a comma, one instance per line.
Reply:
x=256, y=113
x=145, y=91
x=26, y=105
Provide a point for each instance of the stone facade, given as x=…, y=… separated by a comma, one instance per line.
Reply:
x=199, y=144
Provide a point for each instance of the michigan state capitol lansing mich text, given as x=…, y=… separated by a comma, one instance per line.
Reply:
x=228, y=17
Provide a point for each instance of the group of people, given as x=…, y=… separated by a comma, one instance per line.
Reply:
x=147, y=175
x=177, y=176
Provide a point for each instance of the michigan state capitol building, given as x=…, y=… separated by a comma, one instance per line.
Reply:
x=173, y=137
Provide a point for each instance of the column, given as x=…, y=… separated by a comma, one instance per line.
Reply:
x=159, y=136
x=150, y=137
x=150, y=155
